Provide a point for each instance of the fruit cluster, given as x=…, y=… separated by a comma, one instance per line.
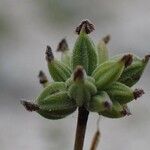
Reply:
x=88, y=78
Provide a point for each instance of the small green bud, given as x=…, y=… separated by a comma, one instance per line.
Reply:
x=117, y=111
x=49, y=114
x=81, y=89
x=122, y=93
x=55, y=101
x=110, y=71
x=133, y=73
x=58, y=70
x=100, y=102
x=84, y=52
x=55, y=106
x=103, y=50
x=58, y=105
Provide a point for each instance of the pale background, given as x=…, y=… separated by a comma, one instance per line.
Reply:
x=26, y=27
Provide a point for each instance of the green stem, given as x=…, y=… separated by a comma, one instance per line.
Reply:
x=81, y=128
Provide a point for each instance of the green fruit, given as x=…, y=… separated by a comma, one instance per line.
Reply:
x=100, y=102
x=49, y=114
x=51, y=89
x=122, y=93
x=117, y=111
x=84, y=52
x=88, y=79
x=110, y=71
x=56, y=106
x=82, y=92
x=58, y=70
x=133, y=73
x=81, y=89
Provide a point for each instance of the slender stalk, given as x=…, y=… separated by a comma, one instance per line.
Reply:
x=81, y=128
x=96, y=138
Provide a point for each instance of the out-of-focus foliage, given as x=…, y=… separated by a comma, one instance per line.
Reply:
x=4, y=26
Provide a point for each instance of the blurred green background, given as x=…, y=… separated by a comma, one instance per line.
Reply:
x=26, y=27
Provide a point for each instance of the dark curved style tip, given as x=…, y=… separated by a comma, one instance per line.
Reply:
x=124, y=113
x=85, y=26
x=127, y=59
x=146, y=59
x=127, y=111
x=29, y=106
x=78, y=73
x=49, y=54
x=138, y=93
x=107, y=105
x=62, y=46
x=106, y=39
x=42, y=77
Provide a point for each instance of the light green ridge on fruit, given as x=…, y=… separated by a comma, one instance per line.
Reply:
x=120, y=92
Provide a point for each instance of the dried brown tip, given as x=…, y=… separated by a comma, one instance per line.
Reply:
x=95, y=140
x=29, y=106
x=124, y=113
x=107, y=105
x=106, y=39
x=127, y=59
x=78, y=73
x=42, y=77
x=138, y=93
x=146, y=59
x=62, y=46
x=127, y=111
x=85, y=26
x=49, y=54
